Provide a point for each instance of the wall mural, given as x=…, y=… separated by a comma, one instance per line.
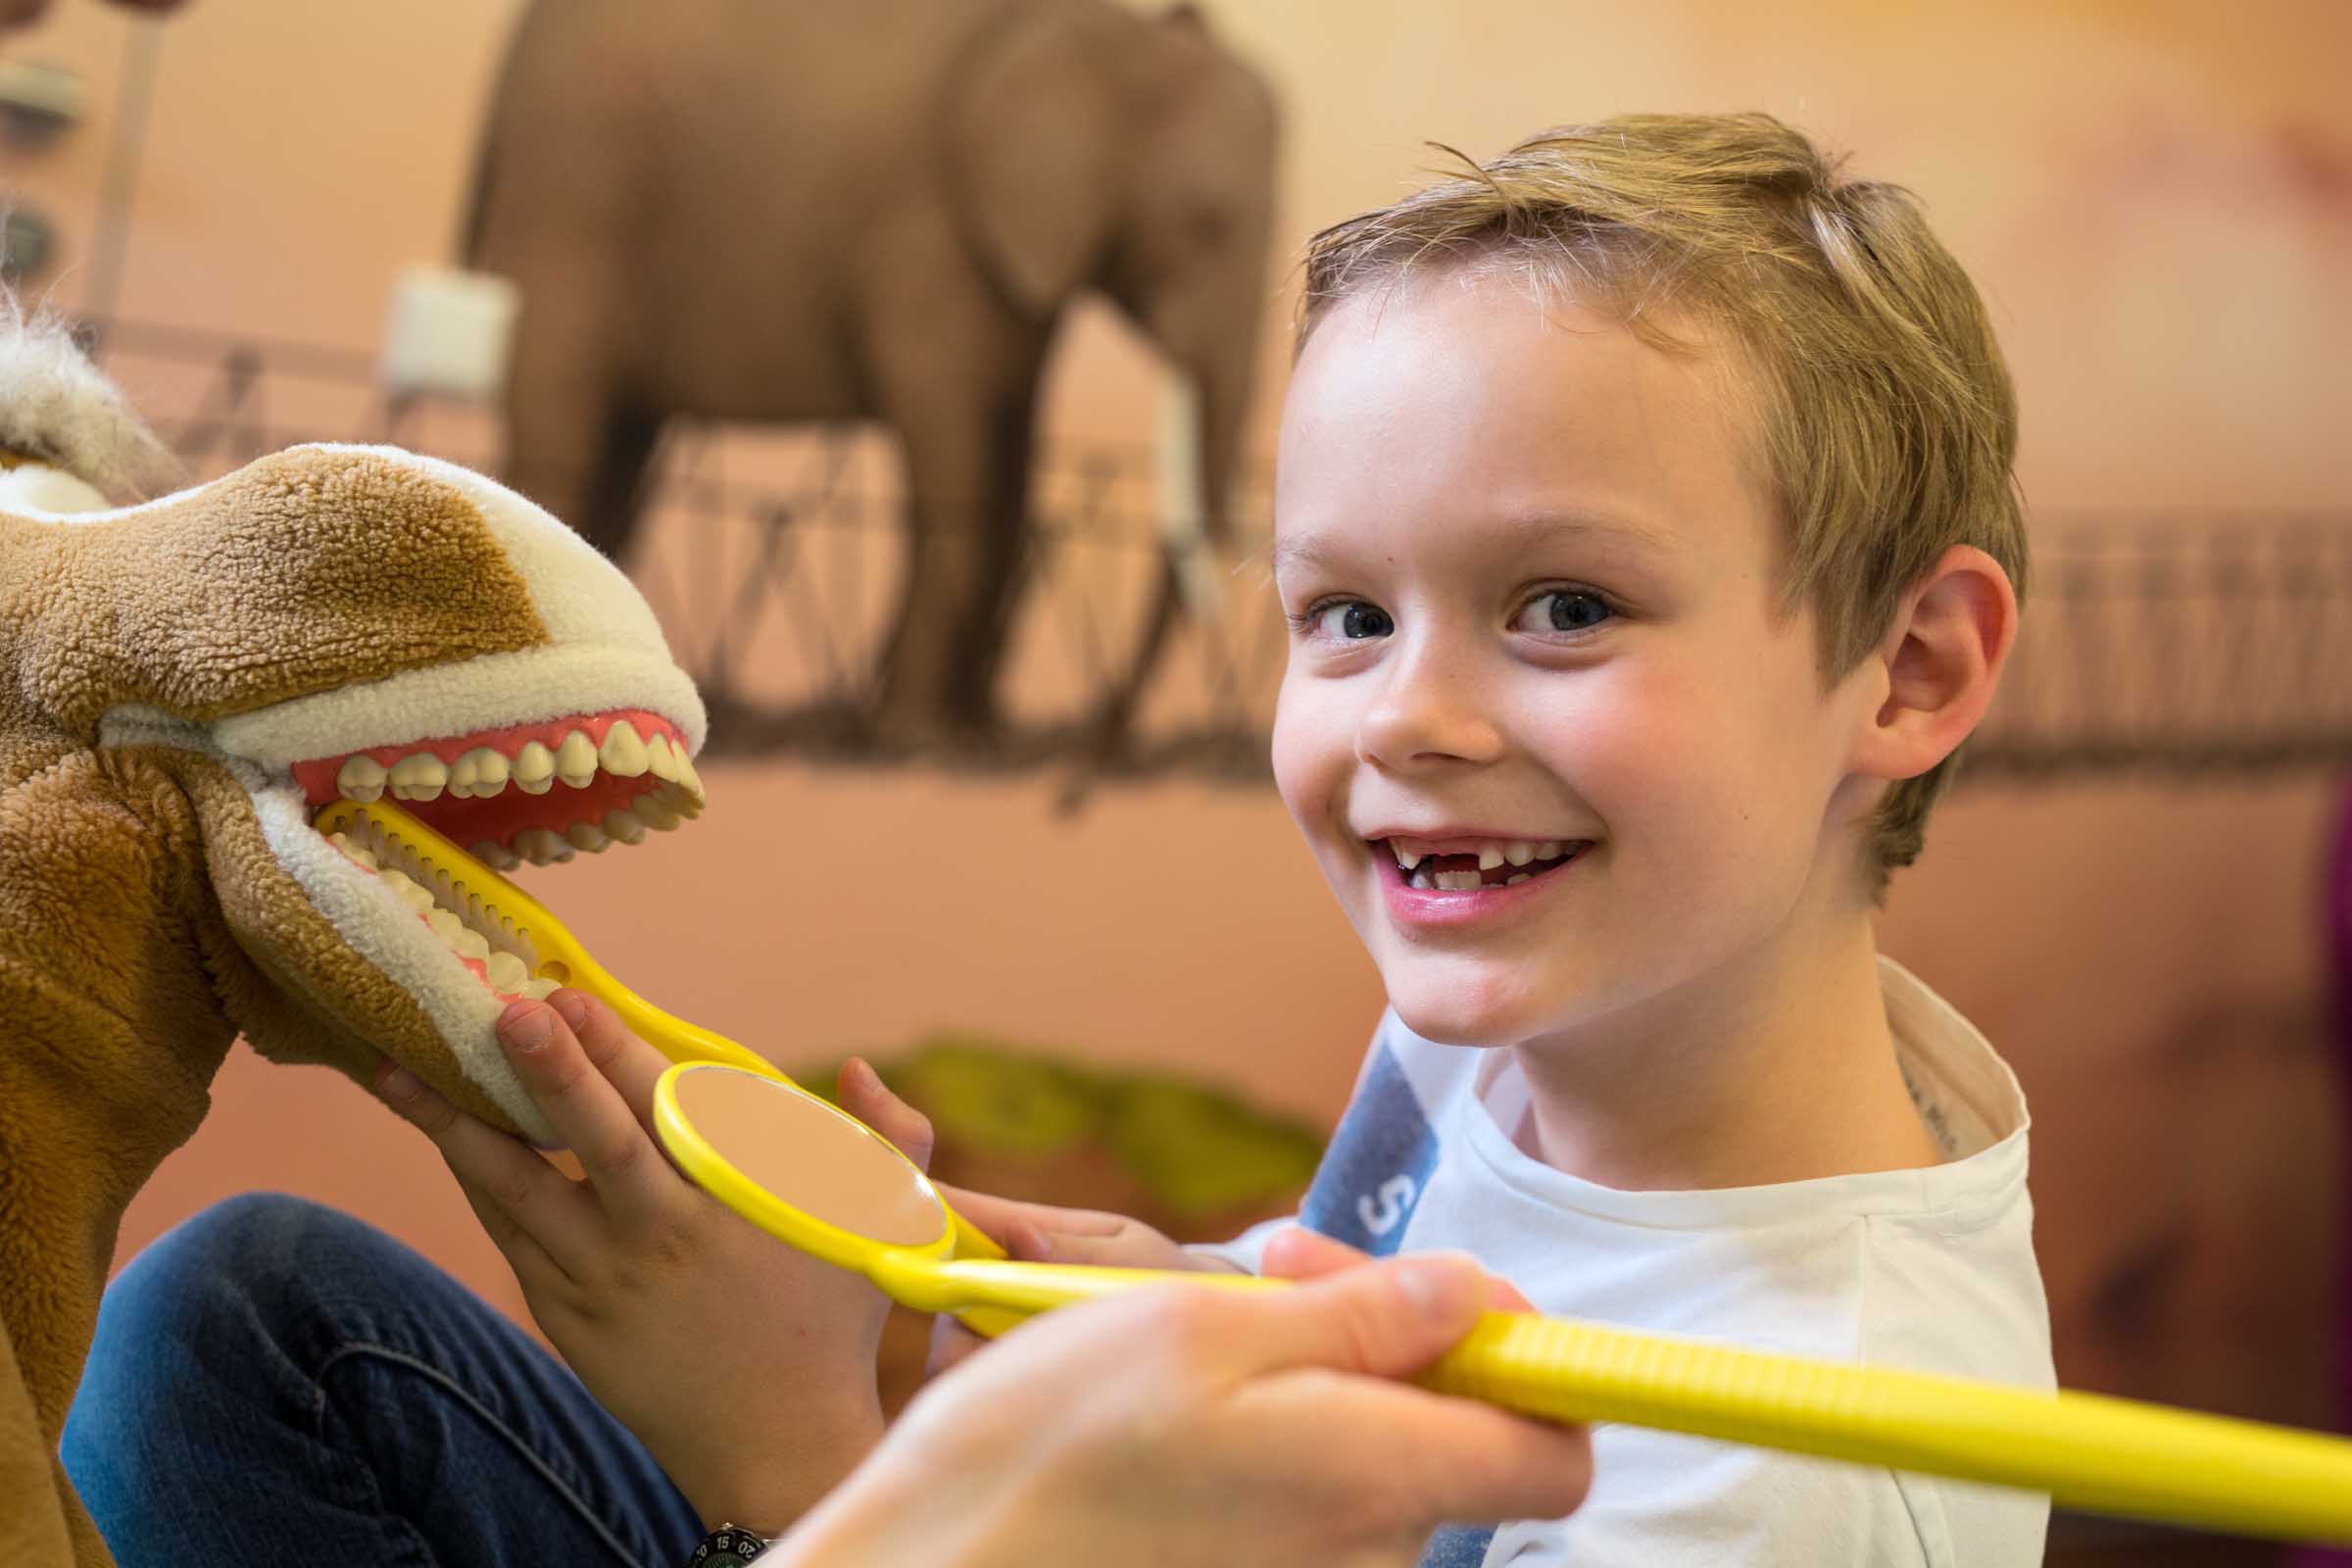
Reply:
x=2168, y=644
x=876, y=213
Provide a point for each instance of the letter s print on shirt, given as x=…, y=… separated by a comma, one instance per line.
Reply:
x=1378, y=1165
x=1396, y=1196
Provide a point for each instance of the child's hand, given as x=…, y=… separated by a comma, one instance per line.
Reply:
x=1298, y=1253
x=1033, y=1233
x=746, y=1368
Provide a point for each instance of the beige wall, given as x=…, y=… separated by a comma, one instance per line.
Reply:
x=2157, y=201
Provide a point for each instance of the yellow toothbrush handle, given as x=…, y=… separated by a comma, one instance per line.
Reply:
x=2087, y=1451
x=2107, y=1456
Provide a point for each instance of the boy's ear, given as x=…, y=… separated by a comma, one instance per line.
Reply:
x=1941, y=661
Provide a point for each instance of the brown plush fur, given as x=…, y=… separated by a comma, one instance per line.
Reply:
x=144, y=919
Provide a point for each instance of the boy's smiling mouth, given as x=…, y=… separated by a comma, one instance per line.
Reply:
x=1467, y=863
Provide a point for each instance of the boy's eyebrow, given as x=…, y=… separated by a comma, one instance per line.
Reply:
x=1520, y=528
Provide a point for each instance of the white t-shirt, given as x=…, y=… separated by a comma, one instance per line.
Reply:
x=1928, y=1269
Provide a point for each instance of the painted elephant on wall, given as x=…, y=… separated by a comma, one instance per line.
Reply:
x=758, y=209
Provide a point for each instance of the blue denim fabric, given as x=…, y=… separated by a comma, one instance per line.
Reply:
x=275, y=1385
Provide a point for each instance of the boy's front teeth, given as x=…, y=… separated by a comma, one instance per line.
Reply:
x=1421, y=870
x=1517, y=851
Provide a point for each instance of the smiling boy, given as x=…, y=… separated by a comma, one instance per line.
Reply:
x=1645, y=526
x=1645, y=523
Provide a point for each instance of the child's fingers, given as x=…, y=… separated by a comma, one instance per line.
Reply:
x=996, y=1215
x=533, y=1265
x=518, y=1196
x=635, y=1184
x=630, y=1065
x=865, y=1095
x=951, y=1343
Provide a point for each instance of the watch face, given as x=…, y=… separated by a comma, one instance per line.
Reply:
x=726, y=1548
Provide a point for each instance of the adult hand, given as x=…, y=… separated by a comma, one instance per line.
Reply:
x=1295, y=1252
x=667, y=1304
x=1175, y=1425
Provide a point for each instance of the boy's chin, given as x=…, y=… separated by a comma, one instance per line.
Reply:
x=1451, y=1015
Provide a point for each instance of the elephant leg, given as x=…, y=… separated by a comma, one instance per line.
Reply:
x=968, y=503
x=1004, y=567
x=576, y=442
x=617, y=487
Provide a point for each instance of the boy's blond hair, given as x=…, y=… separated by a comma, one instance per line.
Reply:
x=1889, y=424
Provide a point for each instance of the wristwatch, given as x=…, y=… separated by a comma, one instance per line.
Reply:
x=727, y=1546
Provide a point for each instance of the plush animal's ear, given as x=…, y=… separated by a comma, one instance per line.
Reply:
x=58, y=411
x=1032, y=142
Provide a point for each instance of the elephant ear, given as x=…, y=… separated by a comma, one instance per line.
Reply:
x=1032, y=150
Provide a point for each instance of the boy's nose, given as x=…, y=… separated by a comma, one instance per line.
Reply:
x=1428, y=711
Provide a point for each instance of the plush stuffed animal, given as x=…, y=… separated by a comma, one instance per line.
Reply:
x=183, y=683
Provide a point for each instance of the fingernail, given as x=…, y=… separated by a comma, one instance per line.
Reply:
x=397, y=1083
x=526, y=1030
x=572, y=1005
x=1434, y=1286
x=868, y=1080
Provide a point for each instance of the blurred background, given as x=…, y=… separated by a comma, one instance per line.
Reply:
x=789, y=286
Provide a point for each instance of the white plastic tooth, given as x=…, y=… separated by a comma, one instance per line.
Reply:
x=1519, y=853
x=1489, y=859
x=540, y=990
x=688, y=777
x=623, y=754
x=419, y=776
x=626, y=826
x=1551, y=850
x=408, y=891
x=655, y=814
x=493, y=855
x=490, y=770
x=588, y=837
x=359, y=778
x=662, y=760
x=504, y=973
x=352, y=849
x=446, y=925
x=541, y=848
x=534, y=768
x=575, y=760
x=470, y=944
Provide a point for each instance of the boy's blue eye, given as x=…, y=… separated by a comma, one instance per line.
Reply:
x=1565, y=610
x=1354, y=620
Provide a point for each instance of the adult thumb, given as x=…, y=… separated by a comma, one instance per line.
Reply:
x=1387, y=1319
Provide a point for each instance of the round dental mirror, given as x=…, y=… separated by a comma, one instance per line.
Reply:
x=805, y=1171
